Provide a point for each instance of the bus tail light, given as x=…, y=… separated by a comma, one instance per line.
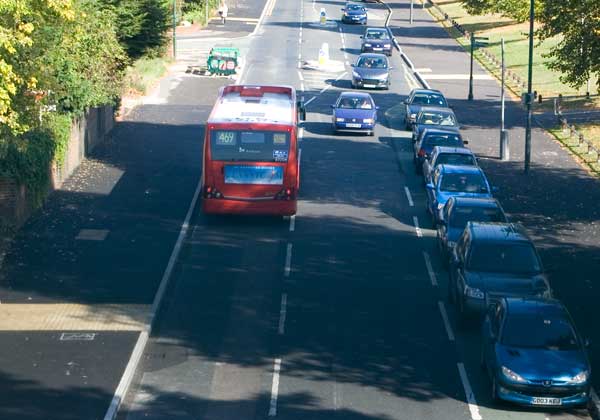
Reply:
x=286, y=194
x=212, y=192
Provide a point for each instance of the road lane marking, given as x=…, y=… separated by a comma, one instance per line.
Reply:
x=471, y=401
x=446, y=320
x=282, y=314
x=288, y=260
x=417, y=228
x=301, y=132
x=275, y=388
x=409, y=197
x=456, y=77
x=309, y=101
x=300, y=75
x=293, y=220
x=430, y=271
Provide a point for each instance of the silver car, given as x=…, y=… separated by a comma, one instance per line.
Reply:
x=371, y=71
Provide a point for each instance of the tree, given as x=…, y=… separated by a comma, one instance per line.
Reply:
x=577, y=23
x=514, y=9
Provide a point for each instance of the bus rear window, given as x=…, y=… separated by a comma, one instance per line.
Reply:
x=254, y=146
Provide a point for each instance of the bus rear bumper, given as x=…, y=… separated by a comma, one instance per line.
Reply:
x=270, y=207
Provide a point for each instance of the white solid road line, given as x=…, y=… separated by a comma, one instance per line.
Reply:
x=409, y=197
x=282, y=314
x=471, y=401
x=292, y=223
x=446, y=320
x=417, y=228
x=288, y=260
x=275, y=388
x=430, y=271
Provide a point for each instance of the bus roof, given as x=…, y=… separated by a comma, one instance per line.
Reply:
x=255, y=104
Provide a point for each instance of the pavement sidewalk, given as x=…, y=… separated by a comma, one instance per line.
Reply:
x=557, y=202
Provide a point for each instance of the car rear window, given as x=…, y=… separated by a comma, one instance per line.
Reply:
x=465, y=183
x=456, y=159
x=429, y=99
x=504, y=258
x=459, y=216
x=539, y=332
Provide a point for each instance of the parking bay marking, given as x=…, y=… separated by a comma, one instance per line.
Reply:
x=417, y=228
x=409, y=197
x=288, y=260
x=430, y=271
x=471, y=401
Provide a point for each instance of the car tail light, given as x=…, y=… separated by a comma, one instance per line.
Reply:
x=422, y=153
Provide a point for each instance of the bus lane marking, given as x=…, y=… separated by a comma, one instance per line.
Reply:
x=430, y=271
x=409, y=197
x=275, y=388
x=444, y=314
x=417, y=228
x=293, y=220
x=288, y=260
x=282, y=314
x=471, y=401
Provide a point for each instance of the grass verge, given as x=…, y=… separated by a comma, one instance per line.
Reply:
x=581, y=150
x=143, y=74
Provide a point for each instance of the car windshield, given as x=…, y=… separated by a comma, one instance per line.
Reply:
x=537, y=331
x=432, y=140
x=504, y=258
x=372, y=62
x=459, y=216
x=430, y=99
x=354, y=7
x=377, y=35
x=465, y=183
x=355, y=103
x=456, y=159
x=436, y=118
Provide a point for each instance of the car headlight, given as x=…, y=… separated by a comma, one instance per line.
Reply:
x=339, y=120
x=580, y=378
x=510, y=375
x=367, y=45
x=474, y=292
x=368, y=121
x=355, y=74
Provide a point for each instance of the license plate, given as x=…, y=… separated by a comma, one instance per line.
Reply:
x=369, y=86
x=353, y=125
x=377, y=49
x=545, y=401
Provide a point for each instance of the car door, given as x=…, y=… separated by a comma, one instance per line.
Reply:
x=428, y=166
x=442, y=227
x=432, y=190
x=491, y=334
x=462, y=257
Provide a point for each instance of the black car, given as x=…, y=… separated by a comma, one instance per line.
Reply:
x=376, y=40
x=491, y=260
x=430, y=138
x=419, y=98
x=434, y=117
x=354, y=13
x=458, y=211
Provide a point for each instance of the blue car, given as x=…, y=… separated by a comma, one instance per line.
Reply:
x=460, y=210
x=454, y=181
x=354, y=112
x=534, y=355
x=354, y=13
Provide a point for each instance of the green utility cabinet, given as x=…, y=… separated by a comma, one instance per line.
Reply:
x=223, y=60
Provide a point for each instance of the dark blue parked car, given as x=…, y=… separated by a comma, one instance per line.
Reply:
x=434, y=117
x=534, y=355
x=354, y=112
x=430, y=138
x=460, y=210
x=454, y=181
x=354, y=13
x=417, y=99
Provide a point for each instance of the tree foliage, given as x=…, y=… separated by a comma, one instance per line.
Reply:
x=577, y=23
x=514, y=9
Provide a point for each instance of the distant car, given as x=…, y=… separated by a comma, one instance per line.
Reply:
x=434, y=117
x=430, y=138
x=492, y=260
x=533, y=354
x=354, y=13
x=376, y=40
x=451, y=155
x=419, y=98
x=454, y=181
x=371, y=71
x=355, y=112
x=457, y=212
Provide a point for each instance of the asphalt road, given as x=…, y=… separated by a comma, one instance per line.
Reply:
x=339, y=312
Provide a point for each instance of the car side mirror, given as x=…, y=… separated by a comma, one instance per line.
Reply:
x=465, y=141
x=353, y=65
x=342, y=9
x=361, y=37
x=376, y=107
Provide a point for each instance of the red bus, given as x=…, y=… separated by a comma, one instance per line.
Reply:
x=251, y=155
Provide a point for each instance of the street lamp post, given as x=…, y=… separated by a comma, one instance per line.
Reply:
x=174, y=29
x=529, y=97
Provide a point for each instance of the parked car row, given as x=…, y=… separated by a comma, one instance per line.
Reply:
x=531, y=349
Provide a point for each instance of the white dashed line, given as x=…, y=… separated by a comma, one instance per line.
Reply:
x=417, y=228
x=282, y=314
x=409, y=197
x=473, y=408
x=446, y=321
x=302, y=87
x=288, y=260
x=300, y=75
x=301, y=132
x=292, y=223
x=275, y=388
x=430, y=271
